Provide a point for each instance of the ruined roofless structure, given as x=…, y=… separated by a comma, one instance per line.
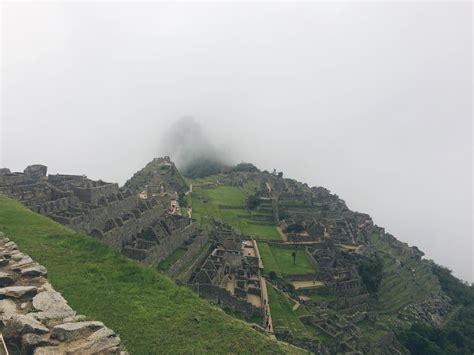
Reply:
x=142, y=229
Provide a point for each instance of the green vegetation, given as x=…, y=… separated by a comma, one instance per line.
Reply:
x=322, y=297
x=170, y=260
x=149, y=312
x=295, y=228
x=282, y=312
x=406, y=279
x=200, y=168
x=423, y=339
x=457, y=335
x=248, y=167
x=228, y=204
x=459, y=292
x=280, y=260
x=252, y=202
x=371, y=271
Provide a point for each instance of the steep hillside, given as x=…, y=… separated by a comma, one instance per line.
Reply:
x=149, y=312
x=336, y=280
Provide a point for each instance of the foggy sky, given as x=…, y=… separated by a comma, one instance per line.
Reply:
x=371, y=100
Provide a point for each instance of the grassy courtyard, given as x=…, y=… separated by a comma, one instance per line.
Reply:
x=280, y=260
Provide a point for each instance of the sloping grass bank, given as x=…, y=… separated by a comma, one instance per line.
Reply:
x=151, y=314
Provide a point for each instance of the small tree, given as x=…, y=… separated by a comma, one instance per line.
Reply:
x=252, y=202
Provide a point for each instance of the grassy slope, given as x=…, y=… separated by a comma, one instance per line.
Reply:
x=239, y=218
x=151, y=314
x=283, y=314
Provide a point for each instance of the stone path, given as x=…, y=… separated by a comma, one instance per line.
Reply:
x=267, y=316
x=190, y=189
x=307, y=284
x=283, y=235
x=37, y=319
x=268, y=187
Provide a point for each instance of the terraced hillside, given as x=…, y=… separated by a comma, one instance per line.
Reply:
x=327, y=291
x=150, y=313
x=228, y=204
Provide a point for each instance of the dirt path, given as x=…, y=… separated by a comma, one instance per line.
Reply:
x=282, y=235
x=190, y=189
x=307, y=284
x=268, y=187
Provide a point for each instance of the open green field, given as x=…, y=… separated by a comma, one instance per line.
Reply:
x=227, y=203
x=151, y=314
x=280, y=260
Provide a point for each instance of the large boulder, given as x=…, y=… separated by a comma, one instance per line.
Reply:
x=34, y=271
x=73, y=331
x=6, y=279
x=103, y=341
x=36, y=171
x=20, y=324
x=30, y=341
x=18, y=291
x=51, y=306
x=7, y=308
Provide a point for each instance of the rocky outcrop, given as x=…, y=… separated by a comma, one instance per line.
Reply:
x=35, y=319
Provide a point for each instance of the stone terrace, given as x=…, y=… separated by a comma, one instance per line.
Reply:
x=35, y=319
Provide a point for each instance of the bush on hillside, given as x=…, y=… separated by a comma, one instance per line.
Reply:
x=371, y=271
x=252, y=202
x=201, y=168
x=294, y=228
x=245, y=167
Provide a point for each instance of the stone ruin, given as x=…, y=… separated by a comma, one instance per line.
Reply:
x=143, y=229
x=35, y=319
x=159, y=175
x=231, y=274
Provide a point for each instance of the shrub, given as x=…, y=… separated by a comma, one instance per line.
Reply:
x=371, y=271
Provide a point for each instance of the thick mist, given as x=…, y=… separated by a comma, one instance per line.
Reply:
x=371, y=100
x=186, y=143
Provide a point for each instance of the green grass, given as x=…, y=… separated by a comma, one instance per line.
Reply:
x=239, y=218
x=282, y=313
x=170, y=260
x=151, y=314
x=280, y=260
x=322, y=298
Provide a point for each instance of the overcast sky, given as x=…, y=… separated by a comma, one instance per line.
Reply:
x=371, y=100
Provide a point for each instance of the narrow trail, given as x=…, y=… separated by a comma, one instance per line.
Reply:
x=267, y=316
x=282, y=235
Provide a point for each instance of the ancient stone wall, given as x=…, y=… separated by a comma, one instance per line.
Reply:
x=192, y=251
x=35, y=319
x=168, y=245
x=92, y=195
x=225, y=300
